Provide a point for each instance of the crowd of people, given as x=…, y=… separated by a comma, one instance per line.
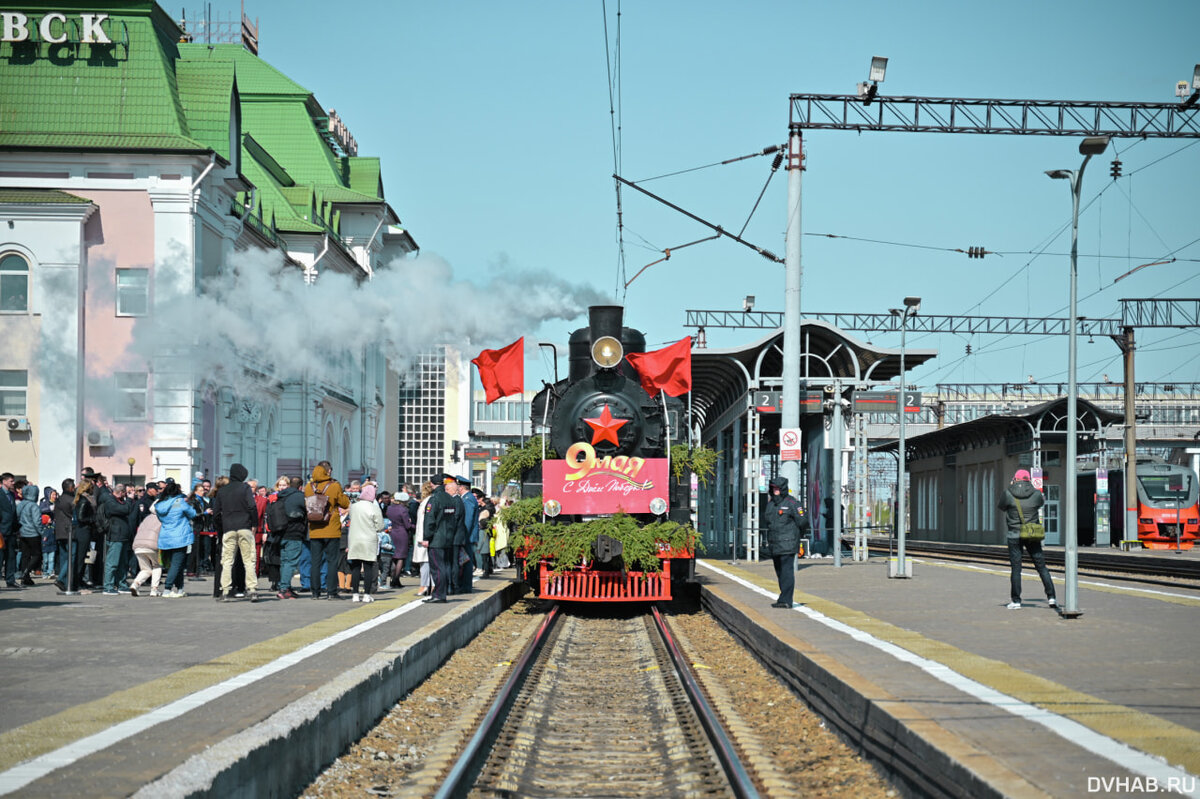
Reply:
x=315, y=537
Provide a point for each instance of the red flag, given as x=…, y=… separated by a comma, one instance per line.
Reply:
x=668, y=370
x=502, y=372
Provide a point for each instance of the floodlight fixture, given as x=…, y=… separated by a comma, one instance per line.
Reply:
x=1181, y=89
x=748, y=303
x=879, y=68
x=1093, y=145
x=913, y=304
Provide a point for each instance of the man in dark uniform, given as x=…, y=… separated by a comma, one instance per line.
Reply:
x=464, y=550
x=8, y=529
x=786, y=525
x=442, y=519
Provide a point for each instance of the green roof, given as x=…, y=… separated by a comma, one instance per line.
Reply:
x=364, y=175
x=206, y=93
x=40, y=197
x=148, y=92
x=257, y=80
x=83, y=95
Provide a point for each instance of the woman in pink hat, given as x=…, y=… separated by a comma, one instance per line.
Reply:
x=1022, y=503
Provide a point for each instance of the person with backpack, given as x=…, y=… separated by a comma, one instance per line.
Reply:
x=1022, y=503
x=145, y=548
x=323, y=498
x=118, y=514
x=234, y=505
x=176, y=535
x=287, y=519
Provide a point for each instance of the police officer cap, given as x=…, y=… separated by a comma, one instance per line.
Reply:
x=462, y=481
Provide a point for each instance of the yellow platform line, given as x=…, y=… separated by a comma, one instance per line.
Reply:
x=56, y=731
x=1151, y=734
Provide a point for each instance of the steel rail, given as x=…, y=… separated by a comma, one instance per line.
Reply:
x=739, y=778
x=461, y=776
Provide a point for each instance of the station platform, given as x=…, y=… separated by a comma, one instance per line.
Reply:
x=121, y=696
x=958, y=696
x=931, y=676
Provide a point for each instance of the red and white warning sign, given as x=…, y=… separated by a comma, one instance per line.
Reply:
x=789, y=444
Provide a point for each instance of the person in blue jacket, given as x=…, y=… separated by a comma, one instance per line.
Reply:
x=176, y=535
x=29, y=521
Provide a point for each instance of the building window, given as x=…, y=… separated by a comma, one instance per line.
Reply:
x=131, y=396
x=133, y=292
x=14, y=283
x=14, y=384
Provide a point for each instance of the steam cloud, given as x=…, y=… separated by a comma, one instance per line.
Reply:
x=263, y=309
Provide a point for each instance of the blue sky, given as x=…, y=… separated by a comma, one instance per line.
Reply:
x=493, y=122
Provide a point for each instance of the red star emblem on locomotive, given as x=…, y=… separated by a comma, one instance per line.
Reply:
x=605, y=427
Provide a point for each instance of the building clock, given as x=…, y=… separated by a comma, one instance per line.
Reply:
x=248, y=411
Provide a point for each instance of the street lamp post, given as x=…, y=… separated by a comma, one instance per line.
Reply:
x=1092, y=145
x=911, y=306
x=131, y=462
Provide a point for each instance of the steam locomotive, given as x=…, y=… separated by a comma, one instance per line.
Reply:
x=611, y=438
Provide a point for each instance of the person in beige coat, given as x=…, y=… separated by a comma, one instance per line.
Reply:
x=366, y=523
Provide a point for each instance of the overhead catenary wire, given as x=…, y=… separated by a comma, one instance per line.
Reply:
x=614, y=105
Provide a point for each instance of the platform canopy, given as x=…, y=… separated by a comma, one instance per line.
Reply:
x=1017, y=429
x=721, y=378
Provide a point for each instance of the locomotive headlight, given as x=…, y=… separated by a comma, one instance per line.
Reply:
x=551, y=507
x=658, y=506
x=607, y=352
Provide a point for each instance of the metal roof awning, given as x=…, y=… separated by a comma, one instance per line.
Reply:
x=722, y=377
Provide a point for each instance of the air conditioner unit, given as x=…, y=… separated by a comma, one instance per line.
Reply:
x=99, y=438
x=18, y=425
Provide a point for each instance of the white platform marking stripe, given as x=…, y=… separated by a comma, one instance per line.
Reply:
x=1120, y=754
x=21, y=775
x=1131, y=589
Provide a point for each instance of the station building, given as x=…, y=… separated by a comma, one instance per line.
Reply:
x=136, y=168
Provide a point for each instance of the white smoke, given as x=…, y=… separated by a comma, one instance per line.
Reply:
x=263, y=309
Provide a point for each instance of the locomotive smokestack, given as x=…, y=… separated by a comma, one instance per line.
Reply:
x=605, y=320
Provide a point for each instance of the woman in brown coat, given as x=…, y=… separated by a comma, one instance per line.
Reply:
x=325, y=533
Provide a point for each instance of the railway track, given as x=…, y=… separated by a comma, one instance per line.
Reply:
x=1114, y=565
x=599, y=706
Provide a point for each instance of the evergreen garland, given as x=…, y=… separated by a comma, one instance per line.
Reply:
x=567, y=545
x=700, y=461
x=518, y=460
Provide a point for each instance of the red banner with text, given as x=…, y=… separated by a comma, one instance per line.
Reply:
x=585, y=482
